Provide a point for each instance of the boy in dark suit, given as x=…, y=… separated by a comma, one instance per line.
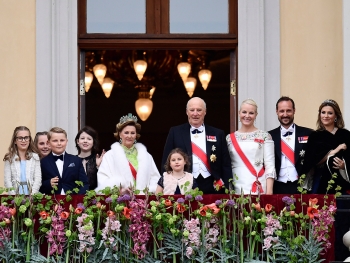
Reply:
x=61, y=169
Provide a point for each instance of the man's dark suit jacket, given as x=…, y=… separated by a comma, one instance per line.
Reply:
x=180, y=137
x=73, y=170
x=298, y=147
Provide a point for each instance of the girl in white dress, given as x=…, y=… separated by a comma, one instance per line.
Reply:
x=252, y=154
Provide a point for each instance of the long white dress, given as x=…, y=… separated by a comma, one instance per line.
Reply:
x=258, y=147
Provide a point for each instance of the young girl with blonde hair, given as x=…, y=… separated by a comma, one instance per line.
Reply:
x=22, y=164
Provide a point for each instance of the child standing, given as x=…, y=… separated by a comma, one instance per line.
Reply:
x=60, y=168
x=22, y=164
x=176, y=176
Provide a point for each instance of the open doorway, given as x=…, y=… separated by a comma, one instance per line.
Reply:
x=169, y=98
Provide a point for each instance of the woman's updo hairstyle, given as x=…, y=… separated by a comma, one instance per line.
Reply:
x=127, y=120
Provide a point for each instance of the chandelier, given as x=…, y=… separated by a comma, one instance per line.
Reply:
x=146, y=71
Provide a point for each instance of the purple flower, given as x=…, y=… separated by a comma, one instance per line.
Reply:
x=108, y=200
x=218, y=202
x=188, y=197
x=80, y=205
x=126, y=197
x=180, y=200
x=288, y=200
x=120, y=199
x=230, y=203
x=198, y=198
x=94, y=202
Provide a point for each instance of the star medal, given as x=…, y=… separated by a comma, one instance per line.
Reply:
x=213, y=158
x=302, y=153
x=213, y=148
x=288, y=138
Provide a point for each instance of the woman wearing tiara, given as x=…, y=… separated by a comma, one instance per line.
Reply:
x=252, y=154
x=327, y=150
x=128, y=164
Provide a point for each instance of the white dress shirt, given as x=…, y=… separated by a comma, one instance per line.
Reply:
x=200, y=140
x=288, y=171
x=59, y=164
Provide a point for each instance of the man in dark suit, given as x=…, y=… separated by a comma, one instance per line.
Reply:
x=205, y=145
x=290, y=143
x=61, y=169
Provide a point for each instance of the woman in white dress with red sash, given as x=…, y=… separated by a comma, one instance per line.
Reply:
x=252, y=154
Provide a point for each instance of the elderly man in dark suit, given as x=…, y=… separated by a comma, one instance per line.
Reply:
x=205, y=145
x=290, y=143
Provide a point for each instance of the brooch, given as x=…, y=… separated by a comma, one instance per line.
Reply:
x=213, y=158
x=258, y=162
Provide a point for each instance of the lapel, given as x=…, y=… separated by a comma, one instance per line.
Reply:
x=277, y=140
x=66, y=162
x=186, y=136
x=297, y=146
x=208, y=131
x=17, y=165
x=53, y=165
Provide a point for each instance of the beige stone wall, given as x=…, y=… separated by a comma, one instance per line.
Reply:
x=17, y=67
x=311, y=55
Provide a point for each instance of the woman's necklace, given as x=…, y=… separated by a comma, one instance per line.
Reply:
x=334, y=130
x=178, y=178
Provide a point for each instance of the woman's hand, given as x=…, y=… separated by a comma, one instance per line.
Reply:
x=99, y=158
x=338, y=163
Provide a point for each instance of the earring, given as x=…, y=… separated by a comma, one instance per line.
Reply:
x=135, y=141
x=335, y=120
x=120, y=141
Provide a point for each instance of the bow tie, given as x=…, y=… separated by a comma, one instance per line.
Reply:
x=287, y=133
x=56, y=157
x=195, y=131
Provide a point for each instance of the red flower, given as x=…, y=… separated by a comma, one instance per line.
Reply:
x=214, y=208
x=292, y=213
x=257, y=207
x=181, y=208
x=78, y=210
x=110, y=213
x=7, y=221
x=312, y=212
x=268, y=208
x=168, y=202
x=64, y=215
x=44, y=215
x=127, y=212
x=313, y=202
x=12, y=211
x=203, y=210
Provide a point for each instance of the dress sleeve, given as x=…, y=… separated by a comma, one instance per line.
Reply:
x=161, y=182
x=269, y=157
x=154, y=175
x=8, y=178
x=104, y=173
x=37, y=175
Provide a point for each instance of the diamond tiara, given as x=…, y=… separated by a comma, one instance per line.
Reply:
x=128, y=117
x=329, y=101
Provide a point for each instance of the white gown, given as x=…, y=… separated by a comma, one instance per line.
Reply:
x=258, y=147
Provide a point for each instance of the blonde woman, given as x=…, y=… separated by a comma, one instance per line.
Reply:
x=252, y=154
x=22, y=164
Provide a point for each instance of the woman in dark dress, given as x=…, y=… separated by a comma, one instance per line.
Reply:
x=327, y=150
x=87, y=144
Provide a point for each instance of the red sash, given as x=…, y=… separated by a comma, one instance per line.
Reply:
x=201, y=155
x=256, y=187
x=288, y=152
x=133, y=171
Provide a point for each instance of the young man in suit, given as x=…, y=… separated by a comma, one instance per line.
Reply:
x=61, y=169
x=290, y=143
x=205, y=145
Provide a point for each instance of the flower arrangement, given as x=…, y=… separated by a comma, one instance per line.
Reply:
x=118, y=227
